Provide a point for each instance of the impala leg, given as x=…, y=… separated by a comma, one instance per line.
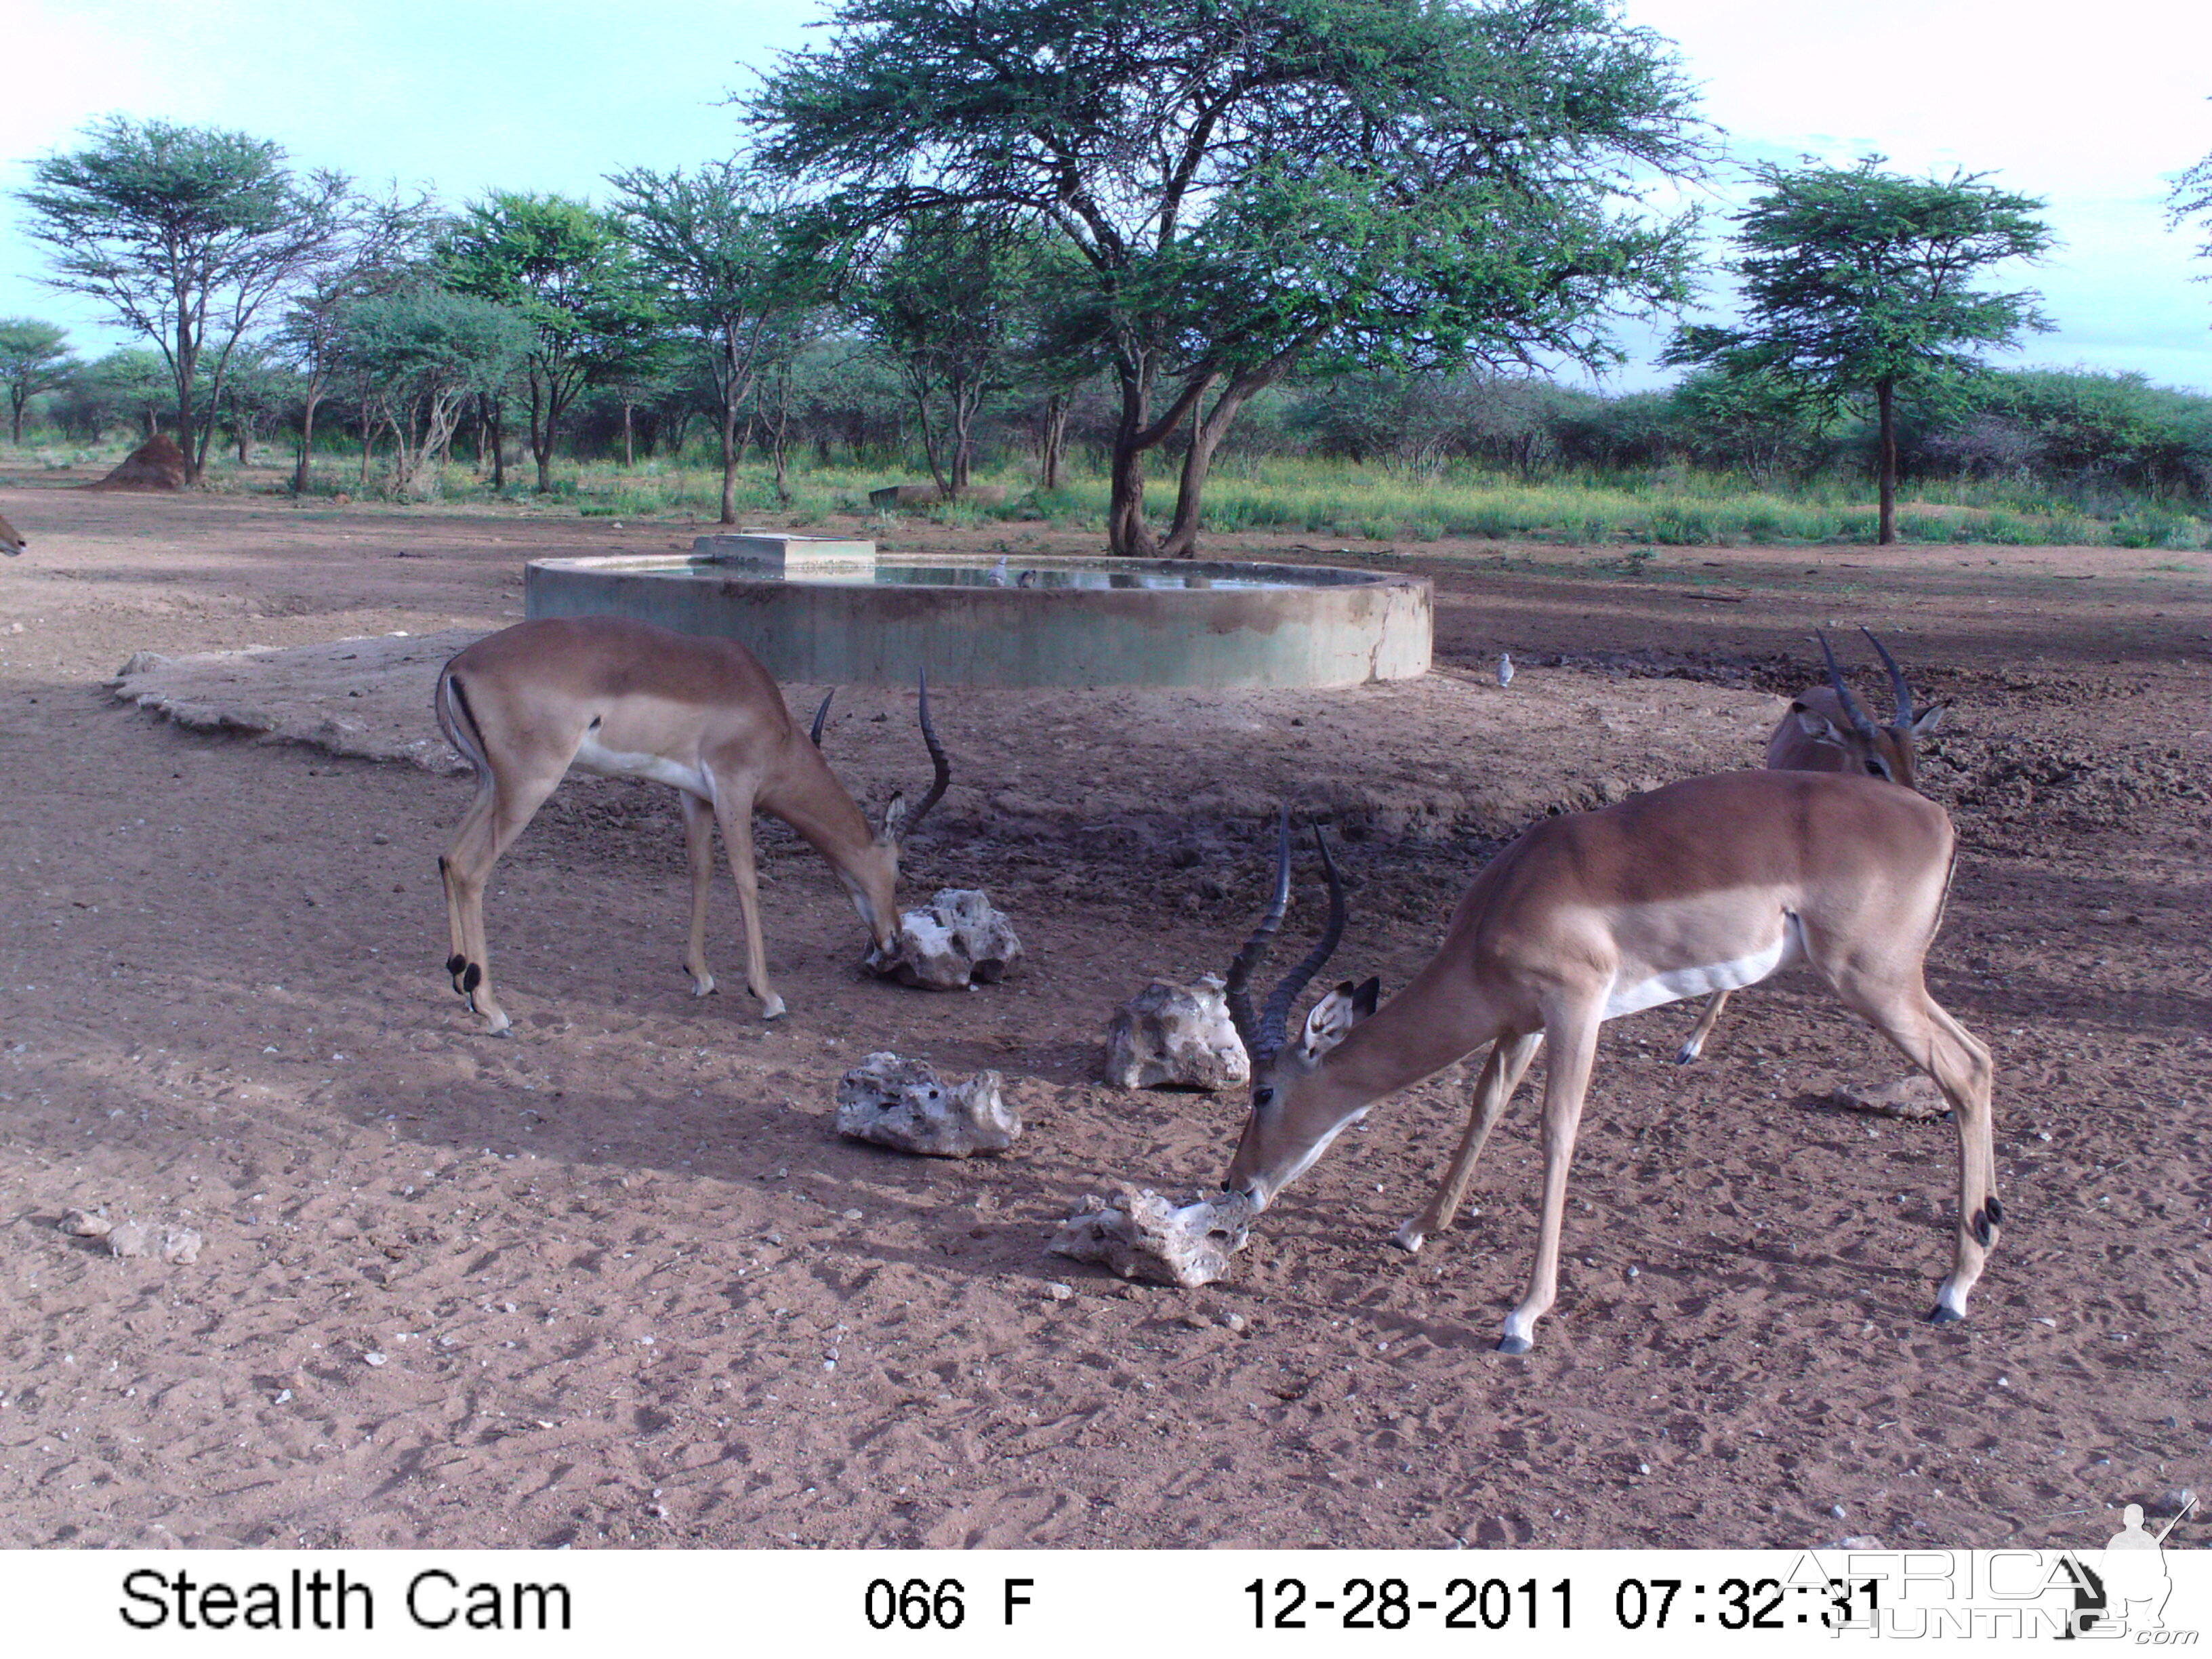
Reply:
x=699, y=848
x=485, y=835
x=1694, y=1044
x=1574, y=1051
x=1509, y=1062
x=1927, y=1035
x=475, y=823
x=737, y=820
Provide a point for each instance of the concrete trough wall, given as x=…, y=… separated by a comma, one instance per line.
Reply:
x=1334, y=628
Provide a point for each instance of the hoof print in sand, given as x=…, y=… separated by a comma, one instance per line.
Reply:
x=903, y=1103
x=1179, y=1035
x=960, y=939
x=1140, y=1235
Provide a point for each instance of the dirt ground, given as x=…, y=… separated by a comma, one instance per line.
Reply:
x=615, y=1280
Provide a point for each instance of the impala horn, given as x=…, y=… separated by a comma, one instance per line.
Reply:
x=1263, y=1034
x=1236, y=988
x=937, y=759
x=1896, y=679
x=1274, y=1019
x=821, y=714
x=1852, y=712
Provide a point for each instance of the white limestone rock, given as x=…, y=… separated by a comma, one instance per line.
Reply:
x=1178, y=1035
x=1141, y=1235
x=903, y=1103
x=1915, y=1098
x=960, y=939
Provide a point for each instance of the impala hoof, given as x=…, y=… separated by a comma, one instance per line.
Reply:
x=704, y=987
x=772, y=1008
x=1409, y=1239
x=1940, y=1314
x=1686, y=1052
x=1514, y=1345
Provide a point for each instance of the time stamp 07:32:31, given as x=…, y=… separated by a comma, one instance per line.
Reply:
x=1496, y=1604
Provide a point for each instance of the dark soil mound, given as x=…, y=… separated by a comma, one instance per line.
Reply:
x=157, y=464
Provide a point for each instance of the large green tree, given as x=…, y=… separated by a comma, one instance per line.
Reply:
x=730, y=266
x=567, y=267
x=184, y=234
x=1860, y=284
x=424, y=353
x=34, y=357
x=945, y=304
x=380, y=248
x=1255, y=186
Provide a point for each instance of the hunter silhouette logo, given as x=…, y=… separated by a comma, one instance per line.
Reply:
x=2126, y=1591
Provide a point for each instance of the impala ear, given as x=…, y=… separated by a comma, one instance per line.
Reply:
x=1925, y=722
x=894, y=818
x=1819, y=727
x=1335, y=1014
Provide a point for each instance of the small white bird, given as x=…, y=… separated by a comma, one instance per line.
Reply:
x=997, y=576
x=1505, y=668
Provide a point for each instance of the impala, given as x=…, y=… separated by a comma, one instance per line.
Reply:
x=1827, y=731
x=628, y=699
x=10, y=543
x=1708, y=885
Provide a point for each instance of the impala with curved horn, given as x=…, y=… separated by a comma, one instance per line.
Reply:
x=628, y=699
x=1827, y=731
x=1710, y=884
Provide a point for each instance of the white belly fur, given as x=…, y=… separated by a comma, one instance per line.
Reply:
x=1680, y=982
x=593, y=757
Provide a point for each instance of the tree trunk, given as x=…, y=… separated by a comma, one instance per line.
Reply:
x=1885, y=393
x=629, y=440
x=729, y=513
x=541, y=438
x=494, y=416
x=1127, y=535
x=1205, y=436
x=1052, y=440
x=16, y=437
x=307, y=436
x=964, y=400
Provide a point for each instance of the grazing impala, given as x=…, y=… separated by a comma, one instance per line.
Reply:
x=10, y=543
x=1827, y=731
x=628, y=699
x=1708, y=885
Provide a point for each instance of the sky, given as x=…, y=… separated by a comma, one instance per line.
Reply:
x=2094, y=109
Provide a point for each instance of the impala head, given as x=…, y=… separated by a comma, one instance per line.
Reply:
x=1833, y=721
x=1291, y=1122
x=872, y=880
x=10, y=543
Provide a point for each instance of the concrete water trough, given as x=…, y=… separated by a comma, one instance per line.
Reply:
x=820, y=612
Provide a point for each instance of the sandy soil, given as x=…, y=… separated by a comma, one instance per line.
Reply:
x=615, y=1280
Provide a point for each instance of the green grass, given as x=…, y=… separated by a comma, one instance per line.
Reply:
x=1667, y=507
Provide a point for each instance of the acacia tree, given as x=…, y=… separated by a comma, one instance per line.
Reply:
x=184, y=234
x=565, y=268
x=423, y=354
x=1859, y=283
x=723, y=250
x=34, y=357
x=944, y=307
x=2191, y=198
x=1256, y=184
x=378, y=249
